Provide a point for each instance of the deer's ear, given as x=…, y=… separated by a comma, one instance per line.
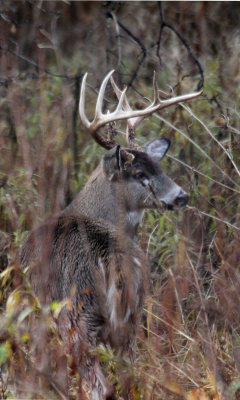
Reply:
x=115, y=161
x=157, y=148
x=111, y=163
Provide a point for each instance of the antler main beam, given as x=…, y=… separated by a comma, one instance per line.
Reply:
x=123, y=110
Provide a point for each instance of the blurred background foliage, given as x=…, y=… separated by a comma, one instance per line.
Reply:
x=190, y=337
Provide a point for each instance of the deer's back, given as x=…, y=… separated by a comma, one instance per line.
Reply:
x=99, y=271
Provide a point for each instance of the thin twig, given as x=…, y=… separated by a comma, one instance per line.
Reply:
x=183, y=373
x=193, y=169
x=170, y=325
x=150, y=237
x=207, y=340
x=198, y=147
x=233, y=130
x=211, y=216
x=212, y=136
x=32, y=62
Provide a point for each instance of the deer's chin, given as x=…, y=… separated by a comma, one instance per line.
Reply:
x=171, y=207
x=167, y=206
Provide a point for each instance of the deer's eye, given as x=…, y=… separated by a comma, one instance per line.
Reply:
x=140, y=175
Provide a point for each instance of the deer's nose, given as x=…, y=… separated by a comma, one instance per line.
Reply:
x=182, y=199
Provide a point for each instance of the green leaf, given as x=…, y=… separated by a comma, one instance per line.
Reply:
x=5, y=351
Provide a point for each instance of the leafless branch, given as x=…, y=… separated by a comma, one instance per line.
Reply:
x=35, y=64
x=165, y=24
x=139, y=43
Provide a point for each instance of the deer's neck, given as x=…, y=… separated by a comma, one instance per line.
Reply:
x=102, y=199
x=133, y=219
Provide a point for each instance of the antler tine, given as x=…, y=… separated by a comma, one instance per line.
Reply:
x=155, y=88
x=132, y=123
x=82, y=102
x=130, y=132
x=174, y=100
x=98, y=111
x=122, y=99
x=98, y=121
x=118, y=92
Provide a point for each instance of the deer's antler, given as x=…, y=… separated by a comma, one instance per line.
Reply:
x=123, y=110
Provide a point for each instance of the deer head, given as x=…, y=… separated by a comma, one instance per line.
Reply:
x=137, y=170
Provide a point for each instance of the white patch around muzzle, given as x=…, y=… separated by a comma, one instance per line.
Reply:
x=170, y=197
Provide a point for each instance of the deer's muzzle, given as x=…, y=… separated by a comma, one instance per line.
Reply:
x=182, y=199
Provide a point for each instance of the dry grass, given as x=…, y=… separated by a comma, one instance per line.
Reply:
x=189, y=340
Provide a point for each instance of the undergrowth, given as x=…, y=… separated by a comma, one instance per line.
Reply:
x=189, y=339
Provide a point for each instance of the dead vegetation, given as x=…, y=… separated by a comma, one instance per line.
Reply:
x=189, y=342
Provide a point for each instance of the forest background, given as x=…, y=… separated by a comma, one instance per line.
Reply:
x=189, y=344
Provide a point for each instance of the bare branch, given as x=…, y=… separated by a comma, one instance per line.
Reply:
x=199, y=148
x=163, y=25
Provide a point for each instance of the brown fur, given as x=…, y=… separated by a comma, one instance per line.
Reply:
x=88, y=255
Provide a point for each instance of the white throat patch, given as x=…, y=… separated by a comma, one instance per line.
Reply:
x=135, y=217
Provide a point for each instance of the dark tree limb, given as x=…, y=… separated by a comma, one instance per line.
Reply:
x=118, y=38
x=110, y=6
x=137, y=41
x=142, y=47
x=74, y=141
x=165, y=24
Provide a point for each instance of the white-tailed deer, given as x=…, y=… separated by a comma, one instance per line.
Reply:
x=88, y=254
